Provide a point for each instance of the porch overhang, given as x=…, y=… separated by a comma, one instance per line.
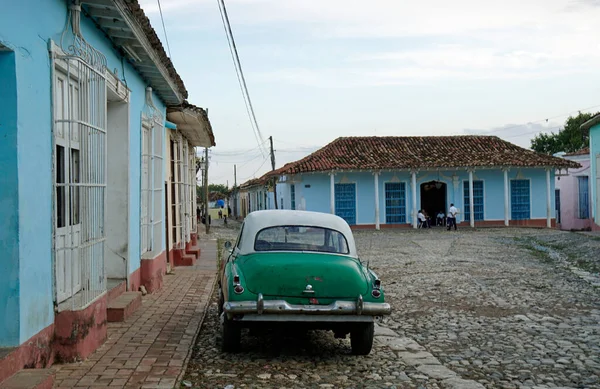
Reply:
x=193, y=124
x=585, y=127
x=129, y=29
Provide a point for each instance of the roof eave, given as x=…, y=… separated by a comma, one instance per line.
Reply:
x=193, y=124
x=116, y=20
x=387, y=169
x=585, y=127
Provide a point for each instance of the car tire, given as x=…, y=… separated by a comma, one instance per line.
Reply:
x=361, y=338
x=231, y=336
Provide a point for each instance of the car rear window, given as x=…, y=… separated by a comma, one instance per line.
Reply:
x=301, y=238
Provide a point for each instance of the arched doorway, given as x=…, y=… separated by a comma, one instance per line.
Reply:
x=433, y=198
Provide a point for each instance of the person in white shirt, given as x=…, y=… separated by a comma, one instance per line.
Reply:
x=440, y=218
x=452, y=217
x=423, y=219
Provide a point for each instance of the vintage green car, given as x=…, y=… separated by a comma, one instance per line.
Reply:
x=300, y=270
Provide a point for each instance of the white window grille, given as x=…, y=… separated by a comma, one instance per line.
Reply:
x=192, y=189
x=177, y=188
x=80, y=150
x=185, y=191
x=151, y=185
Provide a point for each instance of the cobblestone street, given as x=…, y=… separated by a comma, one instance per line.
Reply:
x=471, y=309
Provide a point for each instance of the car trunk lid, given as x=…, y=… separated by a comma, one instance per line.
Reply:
x=309, y=275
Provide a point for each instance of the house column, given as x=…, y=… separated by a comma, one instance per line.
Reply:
x=414, y=198
x=548, y=200
x=471, y=202
x=506, y=210
x=376, y=175
x=332, y=192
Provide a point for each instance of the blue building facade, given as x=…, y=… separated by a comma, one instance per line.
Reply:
x=383, y=182
x=593, y=128
x=79, y=82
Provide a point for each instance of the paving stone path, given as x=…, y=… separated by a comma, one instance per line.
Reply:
x=150, y=349
x=493, y=308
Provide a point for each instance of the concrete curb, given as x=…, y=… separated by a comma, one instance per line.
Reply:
x=186, y=361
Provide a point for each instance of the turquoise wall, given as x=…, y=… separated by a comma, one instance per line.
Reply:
x=9, y=203
x=315, y=189
x=26, y=214
x=594, y=152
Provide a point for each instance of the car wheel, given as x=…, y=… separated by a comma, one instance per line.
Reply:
x=361, y=338
x=231, y=336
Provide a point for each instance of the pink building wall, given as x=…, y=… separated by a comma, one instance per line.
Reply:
x=569, y=195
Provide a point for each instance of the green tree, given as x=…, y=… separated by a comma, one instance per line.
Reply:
x=569, y=139
x=212, y=188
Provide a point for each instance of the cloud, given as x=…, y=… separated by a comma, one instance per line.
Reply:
x=389, y=18
x=463, y=39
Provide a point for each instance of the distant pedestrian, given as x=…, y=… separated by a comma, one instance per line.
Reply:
x=440, y=218
x=220, y=214
x=452, y=212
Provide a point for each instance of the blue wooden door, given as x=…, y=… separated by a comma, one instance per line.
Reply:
x=520, y=206
x=345, y=202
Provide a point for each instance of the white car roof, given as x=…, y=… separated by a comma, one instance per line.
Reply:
x=259, y=220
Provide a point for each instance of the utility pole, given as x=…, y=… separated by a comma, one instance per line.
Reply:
x=207, y=223
x=273, y=168
x=235, y=194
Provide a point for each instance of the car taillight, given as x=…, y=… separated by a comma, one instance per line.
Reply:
x=236, y=279
x=377, y=284
x=239, y=289
x=376, y=293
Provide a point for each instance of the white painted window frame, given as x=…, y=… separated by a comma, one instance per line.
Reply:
x=151, y=189
x=86, y=113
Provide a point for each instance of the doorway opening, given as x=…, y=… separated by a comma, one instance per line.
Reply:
x=117, y=211
x=433, y=198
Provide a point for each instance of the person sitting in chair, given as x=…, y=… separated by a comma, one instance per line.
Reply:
x=440, y=218
x=423, y=221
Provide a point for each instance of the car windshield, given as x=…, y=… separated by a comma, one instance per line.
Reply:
x=301, y=238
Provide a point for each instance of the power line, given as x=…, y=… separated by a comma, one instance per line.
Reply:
x=239, y=71
x=244, y=161
x=532, y=132
x=541, y=120
x=256, y=171
x=164, y=29
x=234, y=152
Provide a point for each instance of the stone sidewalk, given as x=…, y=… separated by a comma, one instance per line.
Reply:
x=151, y=349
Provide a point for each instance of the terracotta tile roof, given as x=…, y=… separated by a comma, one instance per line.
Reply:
x=253, y=182
x=374, y=153
x=584, y=151
x=262, y=180
x=144, y=22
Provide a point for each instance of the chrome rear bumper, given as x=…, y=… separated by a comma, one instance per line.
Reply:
x=270, y=307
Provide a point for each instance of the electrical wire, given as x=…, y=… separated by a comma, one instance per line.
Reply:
x=235, y=152
x=532, y=132
x=164, y=29
x=240, y=73
x=256, y=171
x=244, y=161
x=541, y=120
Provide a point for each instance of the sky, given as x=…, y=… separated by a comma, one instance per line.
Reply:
x=320, y=69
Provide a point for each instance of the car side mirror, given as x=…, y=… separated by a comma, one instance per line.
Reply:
x=228, y=245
